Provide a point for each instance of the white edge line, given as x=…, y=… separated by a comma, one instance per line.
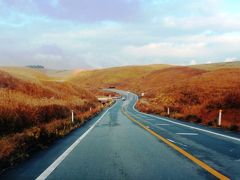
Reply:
x=162, y=124
x=199, y=129
x=177, y=142
x=56, y=163
x=190, y=134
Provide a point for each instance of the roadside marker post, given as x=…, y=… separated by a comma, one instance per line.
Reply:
x=168, y=111
x=220, y=118
x=72, y=116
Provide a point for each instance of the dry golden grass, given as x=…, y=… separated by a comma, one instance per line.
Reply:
x=34, y=111
x=193, y=93
x=118, y=76
x=216, y=66
x=35, y=105
x=25, y=73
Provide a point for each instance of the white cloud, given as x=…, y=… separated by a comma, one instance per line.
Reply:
x=200, y=47
x=48, y=57
x=193, y=62
x=175, y=32
x=216, y=22
x=230, y=59
x=166, y=49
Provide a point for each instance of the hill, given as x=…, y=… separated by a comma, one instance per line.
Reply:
x=117, y=76
x=36, y=104
x=35, y=110
x=215, y=66
x=193, y=93
x=25, y=73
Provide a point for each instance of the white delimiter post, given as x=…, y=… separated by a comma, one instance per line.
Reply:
x=72, y=117
x=168, y=111
x=220, y=118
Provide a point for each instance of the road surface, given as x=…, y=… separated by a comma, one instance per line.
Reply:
x=122, y=143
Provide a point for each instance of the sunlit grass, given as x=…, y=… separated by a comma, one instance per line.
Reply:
x=35, y=110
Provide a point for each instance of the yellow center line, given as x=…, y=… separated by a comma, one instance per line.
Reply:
x=180, y=150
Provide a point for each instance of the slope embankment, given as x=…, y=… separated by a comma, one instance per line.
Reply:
x=192, y=93
x=35, y=111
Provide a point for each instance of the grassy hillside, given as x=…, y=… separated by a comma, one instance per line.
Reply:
x=25, y=73
x=35, y=110
x=193, y=93
x=118, y=76
x=35, y=105
x=215, y=66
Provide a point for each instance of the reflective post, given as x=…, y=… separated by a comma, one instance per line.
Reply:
x=72, y=116
x=220, y=118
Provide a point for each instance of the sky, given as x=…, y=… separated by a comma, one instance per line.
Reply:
x=70, y=34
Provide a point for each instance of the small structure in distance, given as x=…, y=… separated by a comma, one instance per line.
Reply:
x=106, y=99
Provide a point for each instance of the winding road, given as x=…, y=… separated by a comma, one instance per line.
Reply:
x=122, y=143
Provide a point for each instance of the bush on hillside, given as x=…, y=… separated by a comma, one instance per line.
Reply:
x=188, y=98
x=193, y=118
x=232, y=100
x=229, y=100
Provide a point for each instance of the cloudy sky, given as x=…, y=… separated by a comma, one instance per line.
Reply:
x=103, y=33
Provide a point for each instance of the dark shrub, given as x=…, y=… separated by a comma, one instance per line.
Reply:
x=232, y=100
x=189, y=97
x=210, y=123
x=50, y=112
x=234, y=127
x=193, y=118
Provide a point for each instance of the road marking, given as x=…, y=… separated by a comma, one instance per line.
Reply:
x=171, y=140
x=180, y=150
x=162, y=124
x=58, y=161
x=199, y=129
x=188, y=134
x=153, y=125
x=177, y=143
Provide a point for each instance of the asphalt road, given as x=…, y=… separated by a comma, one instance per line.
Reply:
x=123, y=143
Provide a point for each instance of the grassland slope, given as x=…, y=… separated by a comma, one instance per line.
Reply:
x=34, y=111
x=117, y=77
x=193, y=93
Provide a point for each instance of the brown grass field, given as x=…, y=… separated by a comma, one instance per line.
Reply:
x=35, y=105
x=193, y=93
x=35, y=110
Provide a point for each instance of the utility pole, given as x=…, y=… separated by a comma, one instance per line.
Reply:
x=220, y=118
x=72, y=116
